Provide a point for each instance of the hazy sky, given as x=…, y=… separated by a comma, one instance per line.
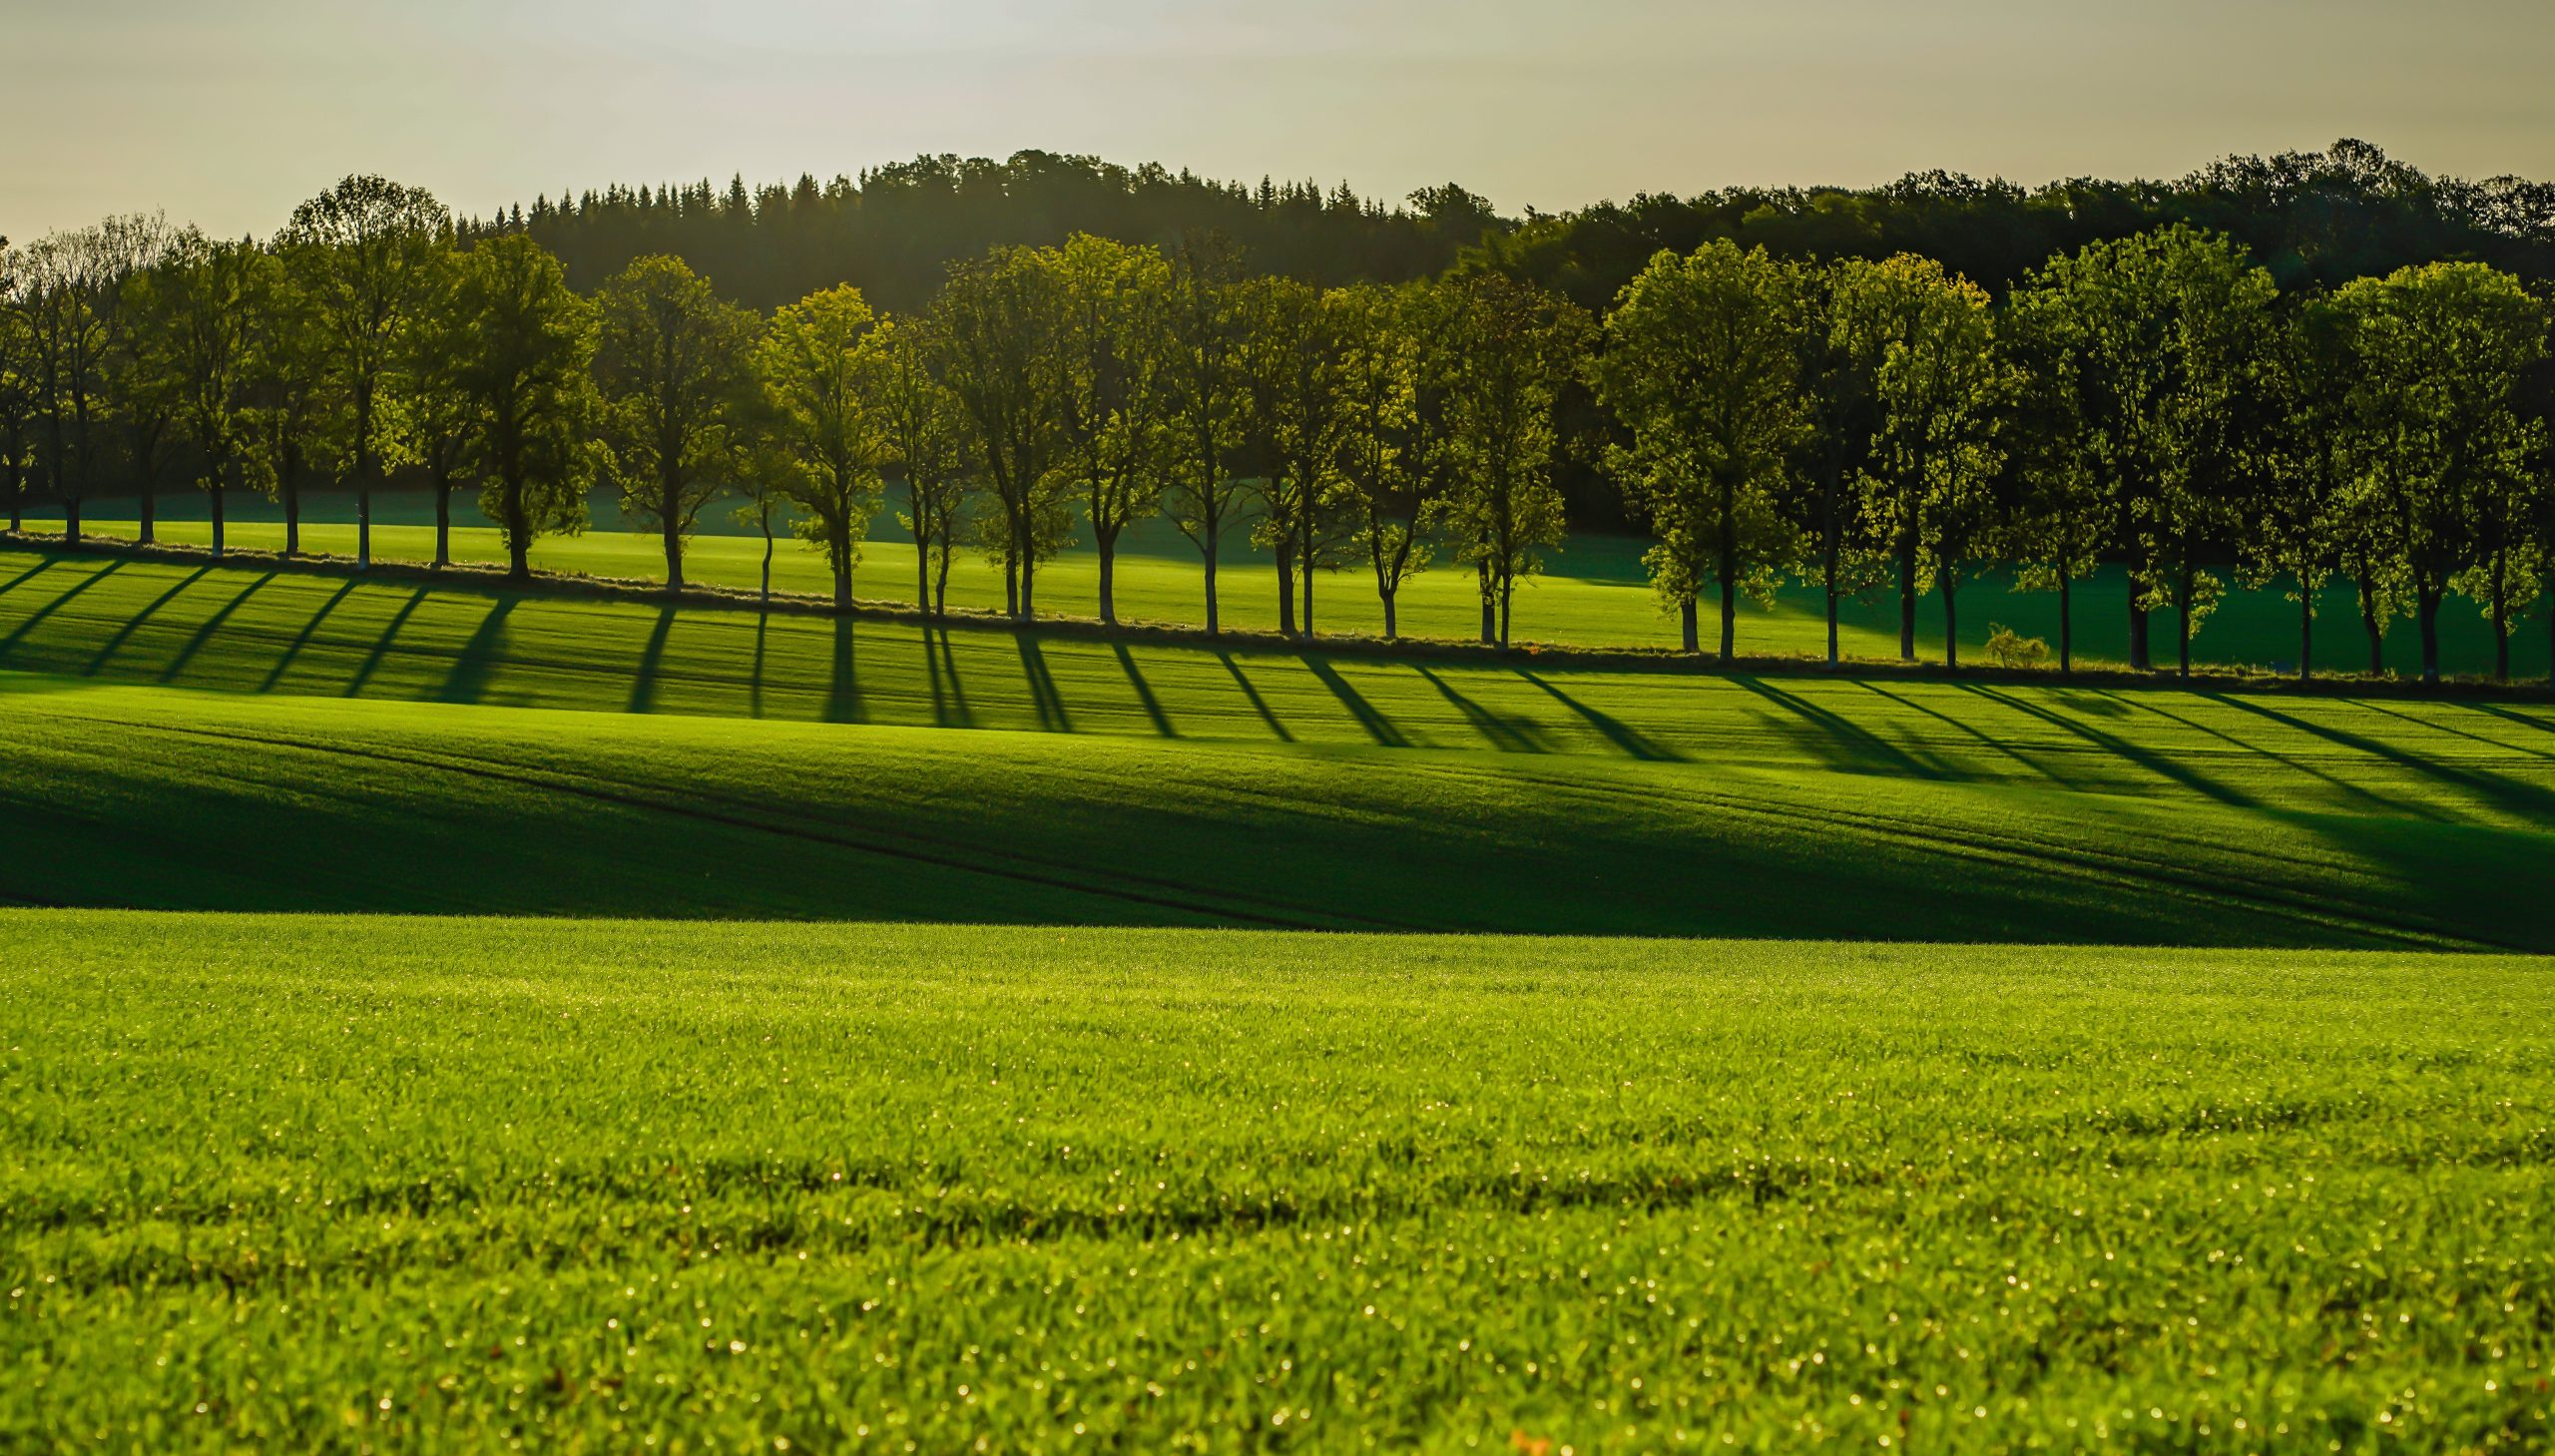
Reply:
x=225, y=112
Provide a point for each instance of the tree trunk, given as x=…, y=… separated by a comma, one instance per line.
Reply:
x=674, y=544
x=1490, y=626
x=2368, y=623
x=1108, y=578
x=1827, y=567
x=766, y=562
x=150, y=531
x=1951, y=622
x=291, y=516
x=2141, y=660
x=2501, y=621
x=1392, y=631
x=1908, y=598
x=940, y=585
x=71, y=520
x=2427, y=598
x=1308, y=595
x=2183, y=631
x=443, y=524
x=363, y=530
x=922, y=567
x=215, y=492
x=1285, y=591
x=1011, y=586
x=1729, y=619
x=1688, y=637
x=2305, y=633
x=1210, y=554
x=838, y=556
x=1507, y=599
x=2066, y=623
x=1028, y=590
x=518, y=533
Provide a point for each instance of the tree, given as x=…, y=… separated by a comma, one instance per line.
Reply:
x=925, y=432
x=1206, y=408
x=2295, y=519
x=1000, y=324
x=1842, y=400
x=1942, y=387
x=1293, y=362
x=2442, y=351
x=362, y=254
x=18, y=396
x=2063, y=506
x=1702, y=365
x=2164, y=334
x=820, y=365
x=1393, y=455
x=1113, y=394
x=671, y=361
x=434, y=420
x=1517, y=346
x=69, y=295
x=143, y=398
x=301, y=422
x=199, y=319
x=528, y=376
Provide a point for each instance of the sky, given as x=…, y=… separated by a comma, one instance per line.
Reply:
x=226, y=113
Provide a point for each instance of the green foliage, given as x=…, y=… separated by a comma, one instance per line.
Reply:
x=2007, y=648
x=1512, y=349
x=532, y=396
x=596, y=1186
x=822, y=374
x=672, y=359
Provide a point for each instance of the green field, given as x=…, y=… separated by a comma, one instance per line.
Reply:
x=682, y=1029
x=609, y=1186
x=1593, y=594
x=365, y=750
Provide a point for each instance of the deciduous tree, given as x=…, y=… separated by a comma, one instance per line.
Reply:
x=672, y=359
x=1000, y=324
x=1207, y=406
x=928, y=447
x=199, y=319
x=528, y=376
x=1115, y=356
x=819, y=364
x=1517, y=346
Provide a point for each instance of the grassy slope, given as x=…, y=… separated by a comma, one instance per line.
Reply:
x=588, y=1187
x=1594, y=594
x=1152, y=784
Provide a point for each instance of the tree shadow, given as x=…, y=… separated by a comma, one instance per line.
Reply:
x=2509, y=794
x=948, y=695
x=132, y=623
x=651, y=660
x=1042, y=696
x=754, y=684
x=2498, y=746
x=36, y=618
x=1622, y=736
x=2524, y=719
x=1259, y=705
x=1973, y=730
x=1506, y=735
x=476, y=663
x=381, y=645
x=2160, y=764
x=1144, y=692
x=2370, y=798
x=1377, y=727
x=39, y=568
x=842, y=691
x=309, y=629
x=1854, y=745
x=212, y=626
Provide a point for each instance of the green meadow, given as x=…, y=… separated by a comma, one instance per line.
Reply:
x=1592, y=593
x=369, y=1184
x=445, y=1018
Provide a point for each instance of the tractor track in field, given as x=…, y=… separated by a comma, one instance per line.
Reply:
x=941, y=856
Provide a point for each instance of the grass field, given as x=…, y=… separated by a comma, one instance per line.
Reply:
x=1593, y=595
x=598, y=1186
x=364, y=753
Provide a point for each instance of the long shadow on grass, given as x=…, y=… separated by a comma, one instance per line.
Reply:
x=842, y=691
x=212, y=624
x=1259, y=705
x=476, y=663
x=1973, y=730
x=2499, y=746
x=13, y=583
x=1860, y=747
x=1507, y=735
x=754, y=687
x=1144, y=692
x=309, y=629
x=1377, y=727
x=381, y=645
x=2162, y=765
x=2506, y=793
x=1634, y=743
x=948, y=693
x=1042, y=696
x=132, y=623
x=2524, y=719
x=2369, y=797
x=652, y=661
x=37, y=616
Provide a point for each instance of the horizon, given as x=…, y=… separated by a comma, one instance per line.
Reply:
x=228, y=122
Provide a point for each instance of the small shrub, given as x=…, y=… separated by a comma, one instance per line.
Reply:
x=2010, y=649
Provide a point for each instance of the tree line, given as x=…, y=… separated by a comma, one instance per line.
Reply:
x=1865, y=425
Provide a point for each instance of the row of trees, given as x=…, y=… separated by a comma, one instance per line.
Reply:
x=1867, y=424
